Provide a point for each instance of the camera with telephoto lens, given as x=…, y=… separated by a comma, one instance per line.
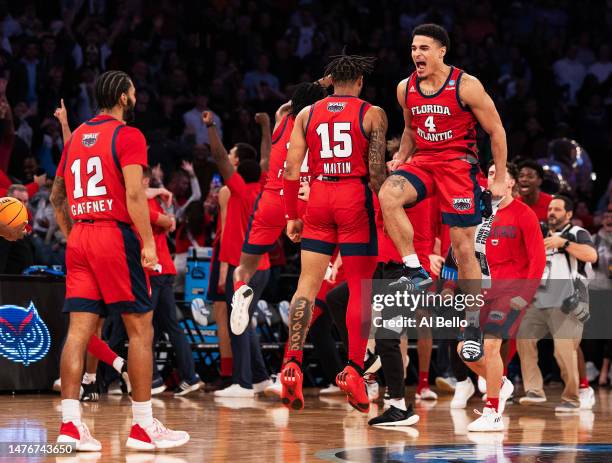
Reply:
x=577, y=304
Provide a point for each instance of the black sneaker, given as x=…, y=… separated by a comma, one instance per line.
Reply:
x=412, y=279
x=90, y=392
x=473, y=348
x=393, y=416
x=372, y=363
x=185, y=388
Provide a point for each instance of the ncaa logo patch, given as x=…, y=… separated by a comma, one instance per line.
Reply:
x=336, y=106
x=24, y=337
x=90, y=139
x=462, y=204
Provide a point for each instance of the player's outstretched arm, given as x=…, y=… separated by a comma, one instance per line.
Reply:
x=217, y=149
x=62, y=116
x=375, y=124
x=263, y=120
x=59, y=200
x=473, y=94
x=138, y=210
x=407, y=143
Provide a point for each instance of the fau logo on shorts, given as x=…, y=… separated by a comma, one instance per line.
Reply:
x=462, y=204
x=24, y=337
x=336, y=106
x=90, y=139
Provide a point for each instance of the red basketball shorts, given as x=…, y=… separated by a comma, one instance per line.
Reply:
x=340, y=213
x=452, y=179
x=104, y=270
x=267, y=222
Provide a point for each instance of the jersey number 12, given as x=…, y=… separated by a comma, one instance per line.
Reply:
x=94, y=188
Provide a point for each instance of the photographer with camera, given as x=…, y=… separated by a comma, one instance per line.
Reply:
x=561, y=306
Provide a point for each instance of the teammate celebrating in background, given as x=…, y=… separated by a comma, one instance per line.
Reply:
x=442, y=105
x=268, y=220
x=515, y=253
x=345, y=139
x=99, y=199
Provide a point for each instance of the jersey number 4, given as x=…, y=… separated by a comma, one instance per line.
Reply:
x=94, y=165
x=343, y=143
x=429, y=123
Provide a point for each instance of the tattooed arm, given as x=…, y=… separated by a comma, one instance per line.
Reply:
x=375, y=125
x=59, y=200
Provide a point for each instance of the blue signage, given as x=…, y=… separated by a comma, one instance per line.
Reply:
x=24, y=337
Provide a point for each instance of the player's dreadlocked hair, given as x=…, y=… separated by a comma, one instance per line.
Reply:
x=304, y=95
x=348, y=68
x=110, y=86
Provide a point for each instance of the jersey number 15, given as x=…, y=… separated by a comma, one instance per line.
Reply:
x=343, y=147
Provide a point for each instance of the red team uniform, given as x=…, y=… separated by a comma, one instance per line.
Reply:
x=104, y=269
x=446, y=162
x=541, y=206
x=516, y=257
x=268, y=220
x=340, y=208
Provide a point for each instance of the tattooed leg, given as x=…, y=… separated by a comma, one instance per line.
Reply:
x=300, y=314
x=314, y=266
x=395, y=192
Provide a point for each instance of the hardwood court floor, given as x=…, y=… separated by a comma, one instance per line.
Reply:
x=261, y=430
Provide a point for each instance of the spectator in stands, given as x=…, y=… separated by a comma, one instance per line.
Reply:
x=16, y=256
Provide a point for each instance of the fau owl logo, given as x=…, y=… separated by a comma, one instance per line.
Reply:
x=24, y=337
x=90, y=139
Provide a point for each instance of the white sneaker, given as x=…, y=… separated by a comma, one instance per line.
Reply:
x=156, y=436
x=505, y=393
x=235, y=390
x=274, y=388
x=283, y=310
x=489, y=421
x=79, y=436
x=463, y=391
x=373, y=390
x=260, y=387
x=482, y=385
x=57, y=385
x=332, y=389
x=592, y=372
x=239, y=318
x=587, y=398
x=426, y=394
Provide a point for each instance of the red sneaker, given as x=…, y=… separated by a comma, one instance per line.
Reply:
x=291, y=378
x=78, y=436
x=353, y=384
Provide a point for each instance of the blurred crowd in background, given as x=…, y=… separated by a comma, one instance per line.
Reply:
x=547, y=65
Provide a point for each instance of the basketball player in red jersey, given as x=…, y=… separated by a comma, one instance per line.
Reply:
x=516, y=254
x=268, y=220
x=442, y=106
x=345, y=139
x=101, y=208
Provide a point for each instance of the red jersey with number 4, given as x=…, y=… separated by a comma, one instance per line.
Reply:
x=441, y=123
x=336, y=140
x=91, y=166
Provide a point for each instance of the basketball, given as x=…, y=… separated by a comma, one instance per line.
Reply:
x=12, y=212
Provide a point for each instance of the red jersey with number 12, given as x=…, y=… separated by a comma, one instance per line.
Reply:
x=91, y=166
x=441, y=123
x=336, y=140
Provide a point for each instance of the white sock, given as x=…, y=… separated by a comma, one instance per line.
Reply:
x=118, y=364
x=89, y=378
x=398, y=403
x=142, y=414
x=411, y=261
x=71, y=411
x=473, y=317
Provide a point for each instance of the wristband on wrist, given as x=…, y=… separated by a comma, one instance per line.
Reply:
x=290, y=198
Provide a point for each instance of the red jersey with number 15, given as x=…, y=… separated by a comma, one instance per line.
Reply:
x=336, y=140
x=91, y=166
x=441, y=123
